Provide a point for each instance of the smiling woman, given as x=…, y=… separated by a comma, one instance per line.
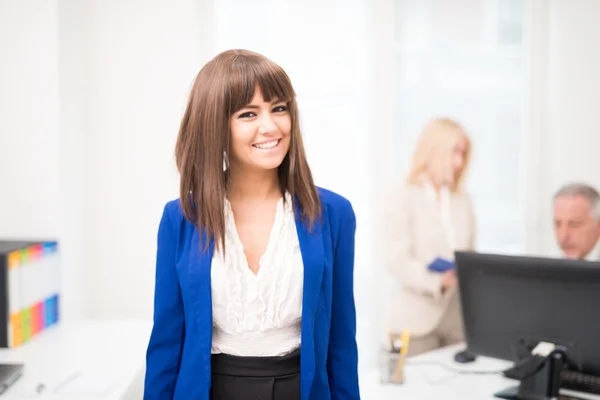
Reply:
x=260, y=134
x=224, y=108
x=255, y=263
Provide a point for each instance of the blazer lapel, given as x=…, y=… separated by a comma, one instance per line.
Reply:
x=461, y=221
x=200, y=289
x=438, y=234
x=311, y=247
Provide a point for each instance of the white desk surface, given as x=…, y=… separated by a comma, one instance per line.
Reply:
x=432, y=376
x=82, y=360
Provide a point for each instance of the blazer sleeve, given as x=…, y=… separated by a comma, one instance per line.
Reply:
x=398, y=244
x=166, y=340
x=342, y=360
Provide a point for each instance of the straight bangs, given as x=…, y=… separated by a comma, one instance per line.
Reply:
x=248, y=73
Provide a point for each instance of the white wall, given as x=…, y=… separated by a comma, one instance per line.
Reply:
x=564, y=134
x=75, y=112
x=43, y=120
x=144, y=56
x=383, y=158
x=29, y=124
x=33, y=195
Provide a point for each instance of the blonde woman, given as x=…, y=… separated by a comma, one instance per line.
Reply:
x=425, y=221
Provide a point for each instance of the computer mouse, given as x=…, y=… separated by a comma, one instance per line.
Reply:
x=464, y=357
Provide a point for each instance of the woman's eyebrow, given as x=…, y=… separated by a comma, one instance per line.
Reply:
x=254, y=106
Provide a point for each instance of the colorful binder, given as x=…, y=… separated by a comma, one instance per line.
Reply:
x=30, y=279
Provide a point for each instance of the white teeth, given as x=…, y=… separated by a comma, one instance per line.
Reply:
x=267, y=145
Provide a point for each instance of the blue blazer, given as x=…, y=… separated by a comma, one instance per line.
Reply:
x=179, y=351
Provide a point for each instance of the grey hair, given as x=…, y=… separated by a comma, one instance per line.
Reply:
x=584, y=190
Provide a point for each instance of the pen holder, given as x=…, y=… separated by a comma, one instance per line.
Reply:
x=391, y=367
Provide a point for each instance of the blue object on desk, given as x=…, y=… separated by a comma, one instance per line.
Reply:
x=440, y=265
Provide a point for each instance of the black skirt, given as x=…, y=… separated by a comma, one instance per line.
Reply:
x=255, y=378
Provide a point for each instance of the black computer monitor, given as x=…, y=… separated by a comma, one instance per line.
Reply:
x=511, y=303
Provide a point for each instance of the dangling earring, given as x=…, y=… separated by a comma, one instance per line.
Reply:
x=225, y=162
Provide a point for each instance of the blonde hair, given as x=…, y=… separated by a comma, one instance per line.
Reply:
x=433, y=154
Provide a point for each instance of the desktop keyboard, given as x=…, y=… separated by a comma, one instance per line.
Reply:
x=579, y=382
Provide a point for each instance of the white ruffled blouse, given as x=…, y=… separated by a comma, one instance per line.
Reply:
x=258, y=315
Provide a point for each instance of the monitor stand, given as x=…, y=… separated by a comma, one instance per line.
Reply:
x=541, y=382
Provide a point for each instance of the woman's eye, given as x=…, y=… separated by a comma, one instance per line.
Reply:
x=280, y=109
x=248, y=114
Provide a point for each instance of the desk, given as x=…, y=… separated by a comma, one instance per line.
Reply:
x=100, y=360
x=426, y=378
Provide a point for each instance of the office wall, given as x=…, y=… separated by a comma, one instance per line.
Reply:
x=562, y=106
x=33, y=194
x=43, y=120
x=143, y=56
x=74, y=125
x=29, y=122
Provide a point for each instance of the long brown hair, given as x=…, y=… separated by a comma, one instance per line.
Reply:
x=224, y=86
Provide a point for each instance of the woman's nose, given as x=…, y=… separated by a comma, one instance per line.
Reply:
x=267, y=125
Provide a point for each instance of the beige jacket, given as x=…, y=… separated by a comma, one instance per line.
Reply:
x=413, y=236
